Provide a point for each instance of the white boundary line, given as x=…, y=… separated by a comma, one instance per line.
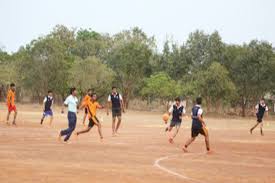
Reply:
x=163, y=168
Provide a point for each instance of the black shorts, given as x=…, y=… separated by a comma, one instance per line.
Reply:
x=86, y=110
x=175, y=123
x=259, y=118
x=196, y=131
x=91, y=122
x=116, y=112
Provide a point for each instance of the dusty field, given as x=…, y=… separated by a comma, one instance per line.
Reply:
x=141, y=153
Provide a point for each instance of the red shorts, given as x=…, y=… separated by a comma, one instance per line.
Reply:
x=11, y=108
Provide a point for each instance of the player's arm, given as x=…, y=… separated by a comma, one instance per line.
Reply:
x=65, y=104
x=201, y=120
x=170, y=110
x=122, y=103
x=100, y=106
x=266, y=110
x=108, y=104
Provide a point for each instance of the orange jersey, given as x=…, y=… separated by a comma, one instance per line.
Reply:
x=92, y=107
x=86, y=99
x=11, y=98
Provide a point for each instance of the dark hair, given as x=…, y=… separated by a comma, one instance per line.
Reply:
x=177, y=99
x=93, y=94
x=12, y=85
x=262, y=99
x=72, y=90
x=50, y=91
x=89, y=90
x=199, y=100
x=113, y=87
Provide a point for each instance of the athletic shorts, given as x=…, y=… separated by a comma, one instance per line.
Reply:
x=175, y=123
x=91, y=122
x=86, y=110
x=11, y=108
x=116, y=112
x=48, y=113
x=196, y=131
x=259, y=118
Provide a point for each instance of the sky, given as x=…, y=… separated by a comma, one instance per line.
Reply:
x=237, y=21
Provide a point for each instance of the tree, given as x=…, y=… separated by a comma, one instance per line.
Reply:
x=161, y=86
x=91, y=73
x=129, y=58
x=215, y=85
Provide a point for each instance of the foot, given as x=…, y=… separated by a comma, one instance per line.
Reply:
x=14, y=124
x=171, y=140
x=209, y=152
x=41, y=122
x=114, y=134
x=7, y=123
x=101, y=139
x=262, y=133
x=184, y=149
x=250, y=131
x=166, y=129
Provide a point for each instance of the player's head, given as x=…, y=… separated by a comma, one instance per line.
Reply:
x=89, y=91
x=114, y=89
x=73, y=91
x=262, y=101
x=177, y=100
x=12, y=86
x=199, y=100
x=94, y=97
x=50, y=93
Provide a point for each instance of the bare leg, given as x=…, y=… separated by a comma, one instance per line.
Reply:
x=83, y=131
x=14, y=117
x=8, y=117
x=51, y=120
x=84, y=119
x=114, y=125
x=42, y=119
x=118, y=123
x=253, y=127
x=207, y=142
x=261, y=128
x=184, y=148
x=99, y=130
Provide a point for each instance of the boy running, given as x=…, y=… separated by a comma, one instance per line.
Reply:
x=85, y=100
x=177, y=110
x=48, y=102
x=198, y=126
x=92, y=105
x=261, y=108
x=72, y=102
x=11, y=103
x=117, y=105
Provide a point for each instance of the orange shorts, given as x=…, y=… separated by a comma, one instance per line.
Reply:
x=11, y=108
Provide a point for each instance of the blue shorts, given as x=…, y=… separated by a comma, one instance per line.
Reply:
x=48, y=113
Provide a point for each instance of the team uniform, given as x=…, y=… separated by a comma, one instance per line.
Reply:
x=261, y=109
x=72, y=102
x=197, y=127
x=48, y=102
x=85, y=100
x=177, y=112
x=11, y=101
x=91, y=109
x=115, y=98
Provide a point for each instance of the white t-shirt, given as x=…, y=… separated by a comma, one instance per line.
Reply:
x=257, y=107
x=71, y=101
x=45, y=99
x=109, y=97
x=171, y=109
x=200, y=111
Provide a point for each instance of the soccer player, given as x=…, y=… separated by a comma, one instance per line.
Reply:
x=198, y=126
x=261, y=109
x=117, y=105
x=48, y=102
x=85, y=99
x=177, y=110
x=11, y=103
x=92, y=105
x=72, y=102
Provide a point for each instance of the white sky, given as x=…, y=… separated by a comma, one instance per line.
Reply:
x=237, y=21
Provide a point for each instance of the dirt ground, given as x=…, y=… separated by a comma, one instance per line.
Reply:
x=141, y=153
